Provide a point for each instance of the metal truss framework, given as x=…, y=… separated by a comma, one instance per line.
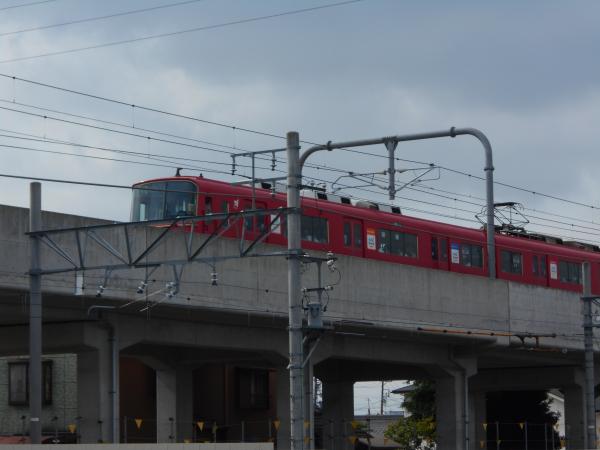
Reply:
x=187, y=227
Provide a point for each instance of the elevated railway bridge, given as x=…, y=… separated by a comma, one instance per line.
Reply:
x=203, y=348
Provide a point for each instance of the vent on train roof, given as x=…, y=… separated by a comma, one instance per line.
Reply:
x=321, y=196
x=582, y=246
x=367, y=205
x=346, y=200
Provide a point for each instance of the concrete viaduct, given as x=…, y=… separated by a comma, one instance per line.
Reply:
x=385, y=321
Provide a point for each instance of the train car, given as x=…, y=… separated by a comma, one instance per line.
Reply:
x=370, y=230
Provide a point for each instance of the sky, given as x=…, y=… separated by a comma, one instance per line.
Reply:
x=527, y=74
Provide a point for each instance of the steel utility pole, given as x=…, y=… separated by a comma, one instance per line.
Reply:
x=35, y=317
x=294, y=183
x=588, y=335
x=294, y=295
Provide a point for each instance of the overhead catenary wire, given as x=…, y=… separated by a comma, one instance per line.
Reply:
x=97, y=18
x=180, y=32
x=23, y=5
x=262, y=133
x=161, y=133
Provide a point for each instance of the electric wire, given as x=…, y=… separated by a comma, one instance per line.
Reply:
x=233, y=127
x=97, y=18
x=22, y=5
x=149, y=155
x=55, y=152
x=237, y=149
x=180, y=32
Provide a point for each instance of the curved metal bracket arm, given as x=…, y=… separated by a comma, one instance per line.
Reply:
x=452, y=132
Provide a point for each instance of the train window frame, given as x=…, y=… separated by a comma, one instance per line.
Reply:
x=434, y=249
x=444, y=249
x=347, y=235
x=539, y=266
x=314, y=229
x=465, y=252
x=397, y=243
x=357, y=235
x=570, y=272
x=159, y=193
x=511, y=262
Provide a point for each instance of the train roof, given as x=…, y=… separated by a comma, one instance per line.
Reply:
x=534, y=243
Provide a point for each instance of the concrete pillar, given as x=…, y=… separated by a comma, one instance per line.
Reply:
x=477, y=405
x=450, y=411
x=166, y=404
x=575, y=417
x=93, y=394
x=185, y=404
x=338, y=413
x=283, y=409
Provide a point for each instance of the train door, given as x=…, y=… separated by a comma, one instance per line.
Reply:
x=439, y=252
x=353, y=236
x=206, y=209
x=255, y=225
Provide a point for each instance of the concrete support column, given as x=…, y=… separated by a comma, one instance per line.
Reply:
x=166, y=404
x=450, y=411
x=93, y=395
x=338, y=413
x=477, y=405
x=283, y=409
x=575, y=417
x=185, y=404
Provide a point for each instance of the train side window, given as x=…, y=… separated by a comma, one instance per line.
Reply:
x=347, y=234
x=306, y=228
x=569, y=272
x=434, y=248
x=471, y=255
x=543, y=270
x=410, y=245
x=397, y=243
x=383, y=241
x=358, y=235
x=314, y=229
x=443, y=250
x=261, y=220
x=563, y=271
x=321, y=234
x=512, y=262
x=538, y=266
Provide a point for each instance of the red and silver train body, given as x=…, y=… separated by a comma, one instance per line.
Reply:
x=368, y=230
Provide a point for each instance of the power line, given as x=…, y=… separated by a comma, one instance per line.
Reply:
x=54, y=152
x=146, y=137
x=97, y=18
x=180, y=32
x=147, y=155
x=22, y=5
x=119, y=124
x=247, y=130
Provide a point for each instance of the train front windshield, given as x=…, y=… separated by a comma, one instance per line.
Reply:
x=164, y=200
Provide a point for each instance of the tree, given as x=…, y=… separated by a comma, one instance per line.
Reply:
x=512, y=410
x=418, y=429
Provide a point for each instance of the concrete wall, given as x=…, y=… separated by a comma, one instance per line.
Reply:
x=382, y=294
x=64, y=396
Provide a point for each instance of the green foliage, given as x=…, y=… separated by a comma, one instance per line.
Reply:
x=412, y=433
x=417, y=430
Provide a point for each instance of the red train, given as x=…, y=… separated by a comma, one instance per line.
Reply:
x=369, y=230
